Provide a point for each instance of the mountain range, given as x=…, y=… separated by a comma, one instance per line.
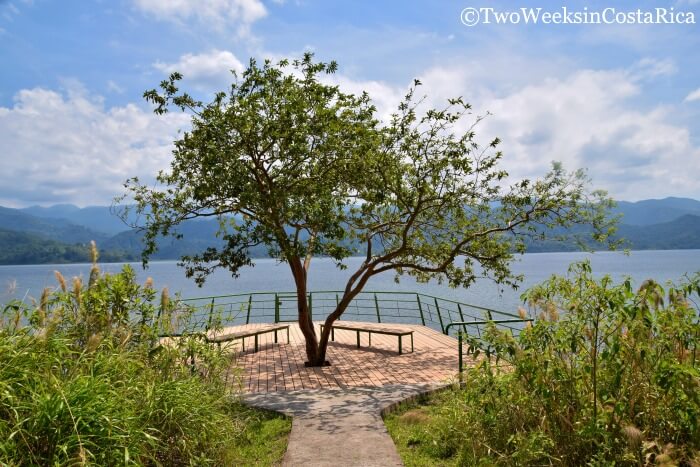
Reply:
x=61, y=233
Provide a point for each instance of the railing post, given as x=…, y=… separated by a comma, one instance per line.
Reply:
x=437, y=307
x=211, y=314
x=376, y=305
x=337, y=302
x=420, y=309
x=488, y=313
x=461, y=368
x=277, y=309
x=311, y=306
x=250, y=304
x=461, y=316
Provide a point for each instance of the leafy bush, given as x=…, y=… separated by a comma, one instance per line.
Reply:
x=605, y=375
x=85, y=379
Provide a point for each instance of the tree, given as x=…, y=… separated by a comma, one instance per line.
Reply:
x=286, y=161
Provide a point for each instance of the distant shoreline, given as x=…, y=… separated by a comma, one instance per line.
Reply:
x=162, y=261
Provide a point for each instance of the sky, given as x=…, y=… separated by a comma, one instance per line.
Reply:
x=617, y=93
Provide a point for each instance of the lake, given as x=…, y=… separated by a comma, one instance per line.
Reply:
x=267, y=275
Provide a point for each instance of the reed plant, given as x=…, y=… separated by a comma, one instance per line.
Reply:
x=85, y=379
x=606, y=375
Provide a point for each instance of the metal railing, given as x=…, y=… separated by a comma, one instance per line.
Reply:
x=476, y=324
x=447, y=316
x=382, y=307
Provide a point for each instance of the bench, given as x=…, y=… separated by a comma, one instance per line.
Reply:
x=255, y=332
x=369, y=329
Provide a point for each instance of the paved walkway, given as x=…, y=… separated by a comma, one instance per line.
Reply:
x=339, y=427
x=336, y=410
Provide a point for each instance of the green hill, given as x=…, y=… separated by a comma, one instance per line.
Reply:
x=27, y=248
x=656, y=211
x=60, y=230
x=39, y=235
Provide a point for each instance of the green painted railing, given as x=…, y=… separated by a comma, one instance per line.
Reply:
x=447, y=316
x=466, y=325
x=383, y=307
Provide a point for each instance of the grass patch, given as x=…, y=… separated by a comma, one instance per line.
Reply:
x=263, y=439
x=414, y=428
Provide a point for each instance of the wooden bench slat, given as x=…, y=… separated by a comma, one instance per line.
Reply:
x=389, y=332
x=375, y=329
x=358, y=328
x=250, y=333
x=246, y=333
x=230, y=336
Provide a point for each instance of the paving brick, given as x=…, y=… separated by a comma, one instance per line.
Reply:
x=280, y=367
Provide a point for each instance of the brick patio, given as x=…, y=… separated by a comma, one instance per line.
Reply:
x=280, y=367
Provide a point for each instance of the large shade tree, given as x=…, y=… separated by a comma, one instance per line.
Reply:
x=285, y=160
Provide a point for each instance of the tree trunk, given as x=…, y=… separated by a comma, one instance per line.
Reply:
x=348, y=296
x=304, y=318
x=316, y=349
x=319, y=356
x=325, y=335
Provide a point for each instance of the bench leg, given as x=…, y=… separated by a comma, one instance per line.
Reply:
x=332, y=331
x=400, y=346
x=256, y=342
x=411, y=342
x=287, y=335
x=358, y=339
x=369, y=335
x=275, y=336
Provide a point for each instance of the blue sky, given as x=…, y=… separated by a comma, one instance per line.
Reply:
x=621, y=100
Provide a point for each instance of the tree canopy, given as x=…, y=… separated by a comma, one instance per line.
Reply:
x=286, y=160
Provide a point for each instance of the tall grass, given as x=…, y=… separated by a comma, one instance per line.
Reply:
x=607, y=375
x=85, y=380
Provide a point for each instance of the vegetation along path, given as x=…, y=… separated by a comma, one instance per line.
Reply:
x=323, y=417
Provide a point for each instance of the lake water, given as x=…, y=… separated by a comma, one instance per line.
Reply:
x=27, y=281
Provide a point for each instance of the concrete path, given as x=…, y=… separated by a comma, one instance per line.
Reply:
x=339, y=427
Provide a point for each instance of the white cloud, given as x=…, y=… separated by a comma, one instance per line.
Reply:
x=67, y=147
x=10, y=11
x=218, y=13
x=693, y=96
x=207, y=70
x=441, y=83
x=585, y=118
x=652, y=68
x=589, y=119
x=384, y=96
x=112, y=86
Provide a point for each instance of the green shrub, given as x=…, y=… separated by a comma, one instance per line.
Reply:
x=85, y=380
x=605, y=375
